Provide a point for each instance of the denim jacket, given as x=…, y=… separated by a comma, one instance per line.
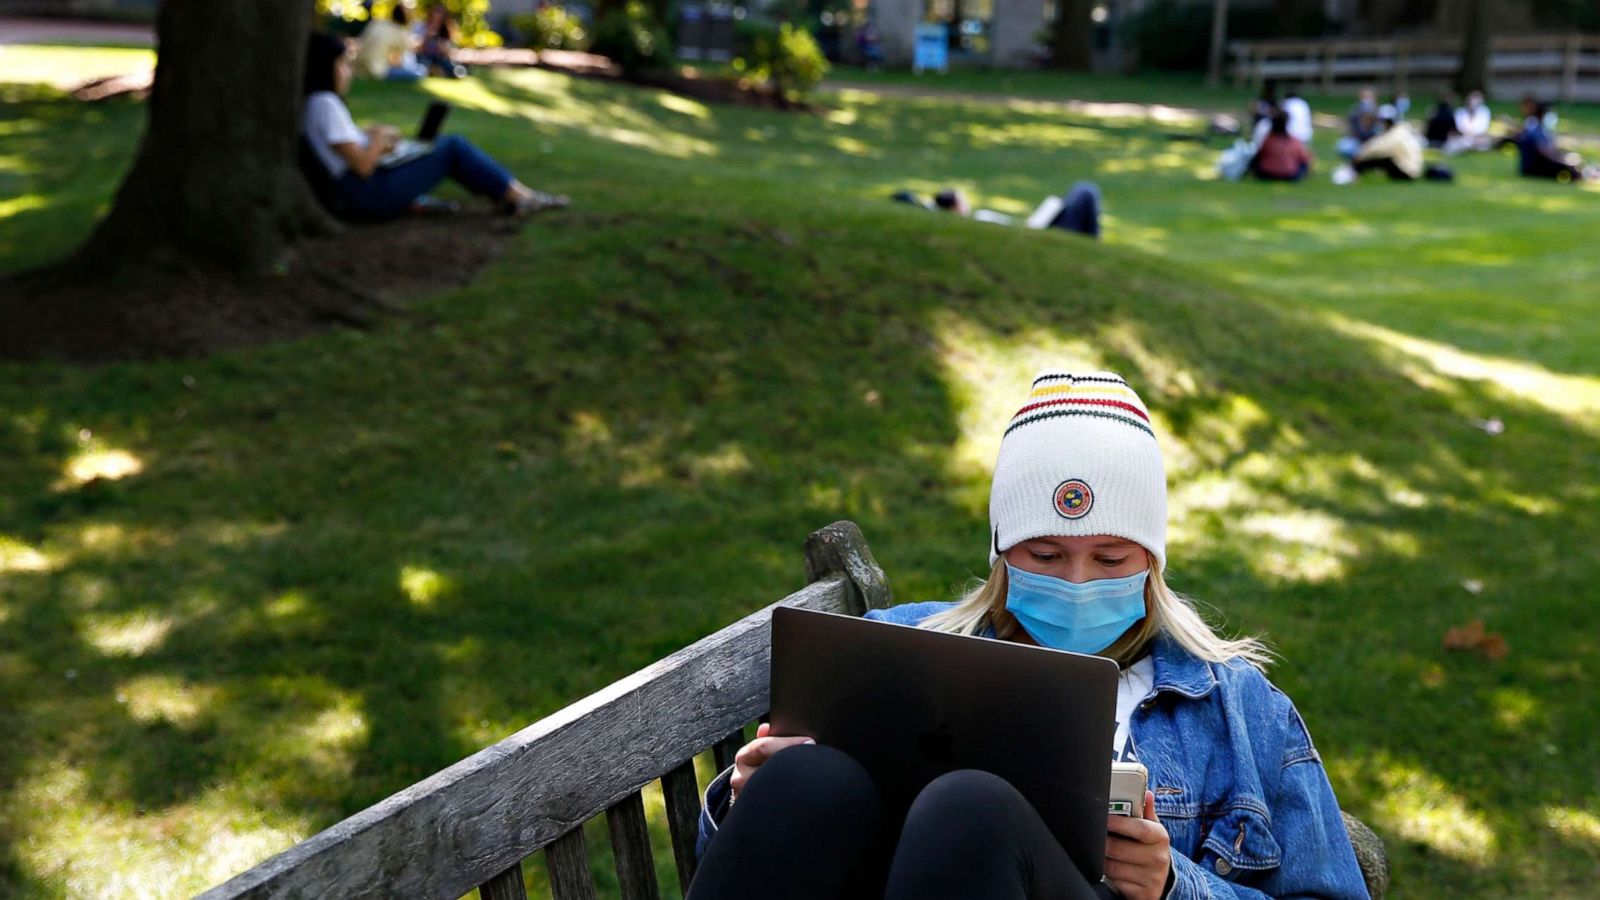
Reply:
x=1238, y=784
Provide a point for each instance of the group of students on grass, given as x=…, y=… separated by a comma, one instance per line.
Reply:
x=396, y=49
x=1380, y=138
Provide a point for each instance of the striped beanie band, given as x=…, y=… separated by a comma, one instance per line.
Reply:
x=1079, y=458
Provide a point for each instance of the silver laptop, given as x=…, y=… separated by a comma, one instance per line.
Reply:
x=911, y=705
x=406, y=149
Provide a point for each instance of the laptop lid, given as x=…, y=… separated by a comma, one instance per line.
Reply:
x=911, y=704
x=432, y=121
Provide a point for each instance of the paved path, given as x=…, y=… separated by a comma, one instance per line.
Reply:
x=1157, y=112
x=70, y=31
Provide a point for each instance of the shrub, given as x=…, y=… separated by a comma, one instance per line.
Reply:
x=632, y=37
x=785, y=58
x=551, y=28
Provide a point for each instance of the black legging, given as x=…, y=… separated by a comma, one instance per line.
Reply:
x=1386, y=165
x=811, y=825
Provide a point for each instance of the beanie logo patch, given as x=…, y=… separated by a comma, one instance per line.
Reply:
x=1073, y=499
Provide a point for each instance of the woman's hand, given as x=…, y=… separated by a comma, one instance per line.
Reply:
x=752, y=755
x=1138, y=853
x=384, y=137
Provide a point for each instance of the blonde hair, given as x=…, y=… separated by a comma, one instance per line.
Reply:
x=984, y=607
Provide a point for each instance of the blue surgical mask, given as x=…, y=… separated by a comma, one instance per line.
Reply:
x=1083, y=618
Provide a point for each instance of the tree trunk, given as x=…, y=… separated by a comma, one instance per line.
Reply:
x=1219, y=42
x=1072, y=36
x=1475, y=49
x=215, y=181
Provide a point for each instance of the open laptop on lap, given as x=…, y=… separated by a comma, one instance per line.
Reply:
x=408, y=149
x=911, y=705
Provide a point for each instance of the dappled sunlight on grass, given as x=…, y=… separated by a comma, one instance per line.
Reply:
x=16, y=556
x=1042, y=133
x=327, y=745
x=1516, y=710
x=1148, y=162
x=109, y=464
x=151, y=699
x=1421, y=807
x=423, y=586
x=1576, y=825
x=91, y=846
x=984, y=370
x=683, y=105
x=126, y=634
x=852, y=146
x=1302, y=545
x=23, y=203
x=559, y=109
x=1575, y=397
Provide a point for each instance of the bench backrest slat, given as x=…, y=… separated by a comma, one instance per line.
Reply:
x=566, y=861
x=630, y=849
x=724, y=750
x=505, y=886
x=681, y=790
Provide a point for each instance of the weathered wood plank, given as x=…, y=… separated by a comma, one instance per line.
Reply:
x=681, y=790
x=445, y=835
x=567, y=861
x=505, y=886
x=630, y=849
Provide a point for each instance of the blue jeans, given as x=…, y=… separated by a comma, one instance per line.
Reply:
x=388, y=193
x=1080, y=210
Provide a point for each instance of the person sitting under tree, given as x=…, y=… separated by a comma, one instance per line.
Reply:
x=349, y=163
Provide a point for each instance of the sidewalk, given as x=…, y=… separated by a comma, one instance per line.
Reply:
x=71, y=31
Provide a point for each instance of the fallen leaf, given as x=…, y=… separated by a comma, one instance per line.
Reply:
x=1464, y=637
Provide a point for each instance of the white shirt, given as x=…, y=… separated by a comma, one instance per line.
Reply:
x=1472, y=122
x=1132, y=686
x=327, y=122
x=1299, y=113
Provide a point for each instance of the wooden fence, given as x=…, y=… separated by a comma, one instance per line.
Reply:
x=1562, y=67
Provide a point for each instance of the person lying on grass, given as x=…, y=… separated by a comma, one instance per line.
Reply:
x=366, y=186
x=1078, y=210
x=1241, y=805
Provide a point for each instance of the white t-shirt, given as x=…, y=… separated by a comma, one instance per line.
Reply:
x=1472, y=122
x=1132, y=686
x=327, y=122
x=1299, y=113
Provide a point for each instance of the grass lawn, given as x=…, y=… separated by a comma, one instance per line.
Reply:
x=245, y=596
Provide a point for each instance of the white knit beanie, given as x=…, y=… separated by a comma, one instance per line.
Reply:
x=1079, y=458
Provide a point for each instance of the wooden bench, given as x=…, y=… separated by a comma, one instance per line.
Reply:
x=473, y=825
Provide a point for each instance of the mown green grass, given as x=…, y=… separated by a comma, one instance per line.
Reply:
x=326, y=569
